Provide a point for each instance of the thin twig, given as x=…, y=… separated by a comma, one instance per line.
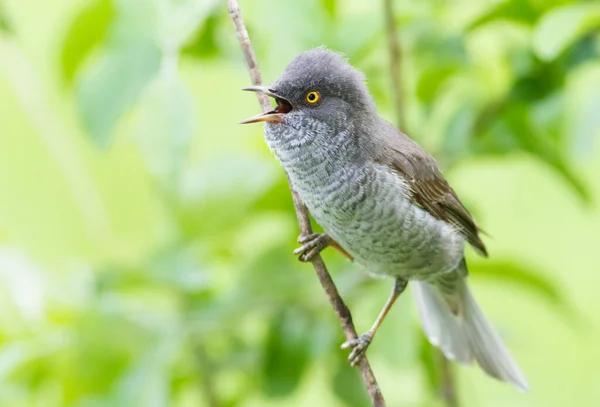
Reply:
x=395, y=61
x=447, y=385
x=446, y=377
x=488, y=116
x=208, y=383
x=340, y=308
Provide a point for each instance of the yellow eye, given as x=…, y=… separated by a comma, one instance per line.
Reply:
x=313, y=97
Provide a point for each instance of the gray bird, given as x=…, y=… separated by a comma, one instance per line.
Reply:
x=383, y=202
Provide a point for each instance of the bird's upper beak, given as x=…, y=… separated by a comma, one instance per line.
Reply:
x=273, y=116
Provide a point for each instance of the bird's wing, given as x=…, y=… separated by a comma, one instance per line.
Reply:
x=430, y=190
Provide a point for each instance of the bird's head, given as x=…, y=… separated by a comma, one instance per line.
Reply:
x=319, y=87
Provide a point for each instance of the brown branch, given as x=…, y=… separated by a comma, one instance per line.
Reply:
x=395, y=61
x=340, y=308
x=447, y=384
x=207, y=378
x=446, y=377
x=488, y=116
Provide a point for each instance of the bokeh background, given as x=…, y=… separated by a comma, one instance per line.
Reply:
x=146, y=238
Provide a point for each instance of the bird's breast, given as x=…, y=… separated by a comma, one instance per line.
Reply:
x=367, y=208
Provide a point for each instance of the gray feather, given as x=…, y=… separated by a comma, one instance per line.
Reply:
x=465, y=336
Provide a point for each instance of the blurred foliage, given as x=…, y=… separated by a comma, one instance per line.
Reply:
x=145, y=240
x=4, y=24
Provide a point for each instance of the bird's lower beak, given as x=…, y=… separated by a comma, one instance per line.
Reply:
x=273, y=116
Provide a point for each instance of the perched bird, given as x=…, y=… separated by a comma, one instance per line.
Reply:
x=383, y=202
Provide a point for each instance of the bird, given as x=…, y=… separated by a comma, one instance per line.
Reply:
x=382, y=202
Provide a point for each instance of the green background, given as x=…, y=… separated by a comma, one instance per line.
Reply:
x=146, y=238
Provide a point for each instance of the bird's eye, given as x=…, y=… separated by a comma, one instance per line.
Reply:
x=313, y=97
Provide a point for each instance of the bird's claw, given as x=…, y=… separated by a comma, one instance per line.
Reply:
x=311, y=246
x=359, y=347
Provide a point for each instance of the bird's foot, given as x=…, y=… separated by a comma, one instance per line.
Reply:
x=359, y=347
x=311, y=245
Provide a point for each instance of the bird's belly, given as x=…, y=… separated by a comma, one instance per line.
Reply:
x=373, y=218
x=412, y=244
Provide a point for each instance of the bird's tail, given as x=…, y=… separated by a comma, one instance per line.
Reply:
x=453, y=321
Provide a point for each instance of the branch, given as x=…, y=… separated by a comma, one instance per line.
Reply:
x=340, y=308
x=446, y=376
x=395, y=58
x=447, y=385
x=207, y=378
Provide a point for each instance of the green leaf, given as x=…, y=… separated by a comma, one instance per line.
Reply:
x=547, y=150
x=195, y=27
x=583, y=105
x=511, y=10
x=16, y=355
x=437, y=58
x=5, y=25
x=429, y=363
x=514, y=130
x=229, y=184
x=438, y=371
x=347, y=384
x=149, y=372
x=330, y=7
x=458, y=129
x=165, y=126
x=537, y=84
x=204, y=43
x=286, y=353
x=114, y=85
x=182, y=19
x=561, y=27
x=86, y=32
x=430, y=81
x=111, y=86
x=17, y=269
x=532, y=281
x=178, y=269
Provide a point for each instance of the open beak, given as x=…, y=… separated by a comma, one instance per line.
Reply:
x=264, y=117
x=273, y=116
